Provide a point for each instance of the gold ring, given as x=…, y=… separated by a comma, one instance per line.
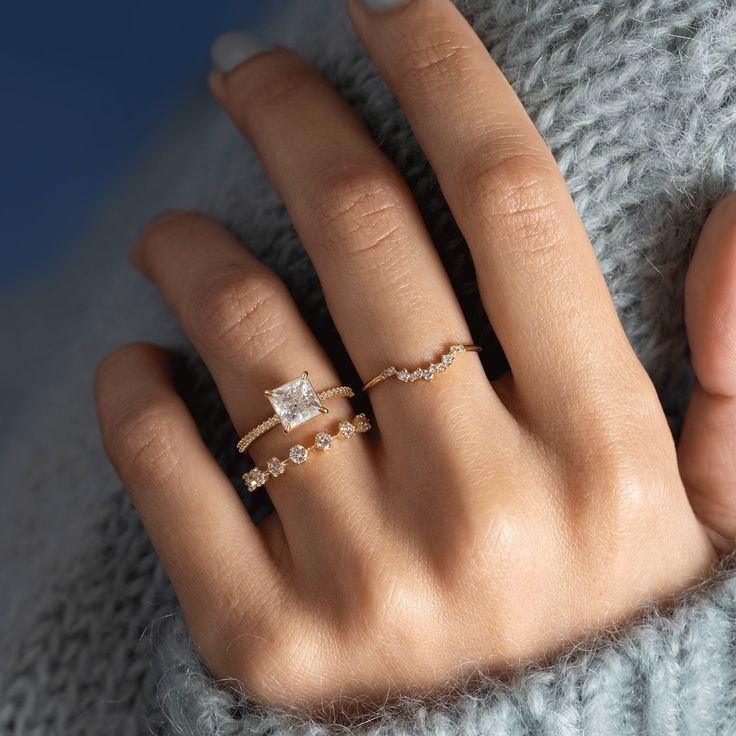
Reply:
x=441, y=364
x=299, y=454
x=295, y=402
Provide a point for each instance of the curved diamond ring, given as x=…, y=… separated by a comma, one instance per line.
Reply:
x=407, y=375
x=294, y=402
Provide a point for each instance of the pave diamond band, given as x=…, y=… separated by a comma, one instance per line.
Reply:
x=426, y=373
x=294, y=403
x=298, y=454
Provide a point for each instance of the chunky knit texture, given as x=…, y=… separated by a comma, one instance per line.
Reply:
x=637, y=99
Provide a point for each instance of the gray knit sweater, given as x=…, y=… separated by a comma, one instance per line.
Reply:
x=637, y=99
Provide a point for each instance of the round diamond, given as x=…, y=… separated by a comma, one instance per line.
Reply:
x=323, y=441
x=389, y=372
x=416, y=375
x=457, y=348
x=362, y=423
x=403, y=375
x=275, y=466
x=254, y=479
x=440, y=367
x=298, y=454
x=428, y=373
x=347, y=430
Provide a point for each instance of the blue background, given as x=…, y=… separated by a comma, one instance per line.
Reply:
x=83, y=87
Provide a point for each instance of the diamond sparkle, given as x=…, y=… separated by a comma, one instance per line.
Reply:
x=347, y=430
x=275, y=467
x=298, y=454
x=254, y=478
x=323, y=441
x=295, y=402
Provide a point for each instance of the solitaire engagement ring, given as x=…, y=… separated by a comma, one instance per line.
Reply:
x=295, y=402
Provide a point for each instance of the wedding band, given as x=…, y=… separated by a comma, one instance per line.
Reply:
x=441, y=364
x=294, y=402
x=299, y=454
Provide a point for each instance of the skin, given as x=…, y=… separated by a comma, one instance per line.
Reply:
x=479, y=524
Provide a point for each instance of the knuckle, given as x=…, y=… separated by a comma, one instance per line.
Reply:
x=239, y=311
x=140, y=437
x=439, y=55
x=277, y=665
x=360, y=206
x=514, y=197
x=168, y=229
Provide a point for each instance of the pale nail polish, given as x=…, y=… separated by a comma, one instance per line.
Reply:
x=379, y=6
x=232, y=49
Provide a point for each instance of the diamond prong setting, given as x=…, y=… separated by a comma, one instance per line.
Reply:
x=426, y=373
x=299, y=454
x=295, y=402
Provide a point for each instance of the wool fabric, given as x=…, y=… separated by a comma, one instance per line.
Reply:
x=637, y=99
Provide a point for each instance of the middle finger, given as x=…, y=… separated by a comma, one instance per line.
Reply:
x=538, y=276
x=383, y=280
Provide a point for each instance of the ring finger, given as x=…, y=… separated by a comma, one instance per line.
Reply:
x=243, y=322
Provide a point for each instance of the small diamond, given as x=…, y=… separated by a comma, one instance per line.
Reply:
x=347, y=430
x=362, y=423
x=403, y=375
x=428, y=373
x=275, y=466
x=447, y=360
x=323, y=441
x=295, y=402
x=298, y=454
x=415, y=375
x=389, y=372
x=254, y=479
x=457, y=348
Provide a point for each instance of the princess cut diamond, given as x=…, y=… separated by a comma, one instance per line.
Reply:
x=295, y=402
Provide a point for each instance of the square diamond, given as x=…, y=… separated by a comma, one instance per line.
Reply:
x=295, y=402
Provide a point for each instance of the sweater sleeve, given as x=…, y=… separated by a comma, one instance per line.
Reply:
x=667, y=673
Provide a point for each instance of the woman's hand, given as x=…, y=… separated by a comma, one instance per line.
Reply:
x=485, y=523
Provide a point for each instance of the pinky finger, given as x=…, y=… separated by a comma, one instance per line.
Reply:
x=217, y=559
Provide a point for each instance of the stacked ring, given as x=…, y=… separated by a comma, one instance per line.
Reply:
x=299, y=454
x=295, y=402
x=407, y=375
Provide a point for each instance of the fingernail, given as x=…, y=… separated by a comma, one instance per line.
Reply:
x=232, y=49
x=379, y=6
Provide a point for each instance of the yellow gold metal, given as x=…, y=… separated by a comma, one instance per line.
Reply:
x=299, y=454
x=324, y=410
x=407, y=375
x=268, y=424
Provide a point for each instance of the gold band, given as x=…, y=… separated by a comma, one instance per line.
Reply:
x=299, y=454
x=331, y=393
x=406, y=375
